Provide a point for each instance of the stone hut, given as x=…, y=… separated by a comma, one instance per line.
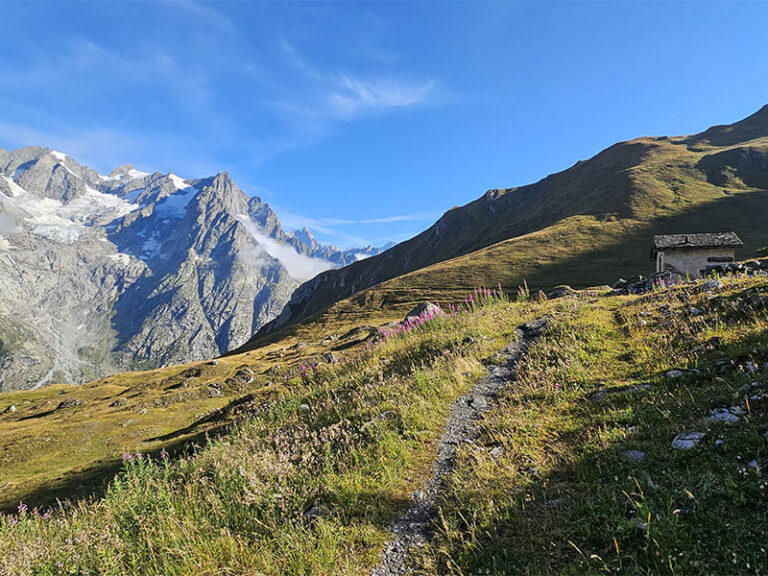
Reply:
x=691, y=255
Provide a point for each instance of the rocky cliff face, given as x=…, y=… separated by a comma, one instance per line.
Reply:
x=134, y=270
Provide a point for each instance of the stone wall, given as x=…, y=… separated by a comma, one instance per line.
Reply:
x=690, y=263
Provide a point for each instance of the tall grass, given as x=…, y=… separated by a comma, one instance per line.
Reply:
x=305, y=484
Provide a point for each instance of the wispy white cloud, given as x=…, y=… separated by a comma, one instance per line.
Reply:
x=353, y=95
x=295, y=58
x=331, y=96
x=206, y=13
x=336, y=229
x=292, y=220
x=299, y=266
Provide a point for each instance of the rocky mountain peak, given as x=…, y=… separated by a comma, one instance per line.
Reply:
x=305, y=237
x=122, y=170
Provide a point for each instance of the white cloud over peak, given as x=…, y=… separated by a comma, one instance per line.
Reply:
x=299, y=266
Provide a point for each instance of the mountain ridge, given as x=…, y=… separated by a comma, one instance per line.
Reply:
x=135, y=269
x=635, y=181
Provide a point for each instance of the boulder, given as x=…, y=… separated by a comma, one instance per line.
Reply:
x=561, y=291
x=421, y=309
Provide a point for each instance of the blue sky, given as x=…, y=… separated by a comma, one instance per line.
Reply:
x=366, y=121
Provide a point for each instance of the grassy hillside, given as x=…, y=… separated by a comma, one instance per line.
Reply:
x=713, y=181
x=317, y=463
x=66, y=440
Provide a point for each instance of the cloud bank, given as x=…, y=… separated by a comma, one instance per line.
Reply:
x=299, y=266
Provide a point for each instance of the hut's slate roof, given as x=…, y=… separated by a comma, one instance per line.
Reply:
x=694, y=241
x=710, y=240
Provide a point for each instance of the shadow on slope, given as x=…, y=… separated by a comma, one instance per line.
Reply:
x=582, y=251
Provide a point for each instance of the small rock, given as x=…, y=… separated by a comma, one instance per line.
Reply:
x=316, y=512
x=749, y=386
x=695, y=311
x=214, y=392
x=212, y=363
x=674, y=374
x=722, y=415
x=419, y=496
x=331, y=358
x=754, y=465
x=73, y=403
x=497, y=371
x=635, y=455
x=713, y=285
x=719, y=443
x=498, y=451
x=637, y=388
x=468, y=340
x=478, y=402
x=687, y=441
x=12, y=408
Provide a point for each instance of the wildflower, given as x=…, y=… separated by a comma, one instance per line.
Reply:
x=163, y=454
x=22, y=508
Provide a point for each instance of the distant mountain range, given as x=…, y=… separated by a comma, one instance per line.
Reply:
x=133, y=270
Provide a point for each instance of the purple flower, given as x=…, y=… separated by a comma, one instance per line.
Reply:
x=163, y=454
x=22, y=508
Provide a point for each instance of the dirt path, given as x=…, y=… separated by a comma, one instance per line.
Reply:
x=412, y=528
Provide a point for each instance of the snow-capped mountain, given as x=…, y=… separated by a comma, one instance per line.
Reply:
x=135, y=270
